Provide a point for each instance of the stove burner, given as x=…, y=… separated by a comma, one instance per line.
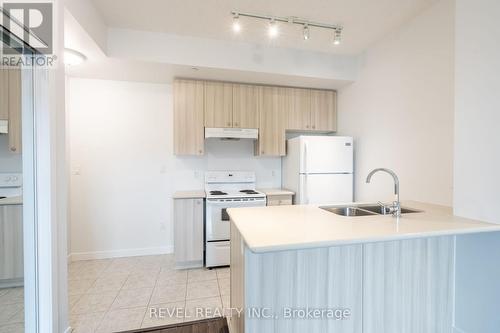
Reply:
x=217, y=193
x=249, y=191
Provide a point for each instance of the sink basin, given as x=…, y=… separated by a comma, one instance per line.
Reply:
x=348, y=211
x=364, y=210
x=380, y=210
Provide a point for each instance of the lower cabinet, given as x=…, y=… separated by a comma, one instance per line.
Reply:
x=279, y=200
x=188, y=232
x=11, y=246
x=403, y=286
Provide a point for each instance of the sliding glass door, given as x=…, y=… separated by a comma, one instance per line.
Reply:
x=18, y=225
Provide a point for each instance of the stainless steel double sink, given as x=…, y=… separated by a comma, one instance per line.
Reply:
x=364, y=210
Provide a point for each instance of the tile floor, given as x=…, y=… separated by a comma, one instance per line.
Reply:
x=112, y=295
x=12, y=310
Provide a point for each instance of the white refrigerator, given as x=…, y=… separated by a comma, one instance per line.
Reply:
x=319, y=169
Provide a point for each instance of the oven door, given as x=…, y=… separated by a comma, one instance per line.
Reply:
x=217, y=219
x=217, y=227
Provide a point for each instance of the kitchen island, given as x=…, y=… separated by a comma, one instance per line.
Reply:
x=305, y=269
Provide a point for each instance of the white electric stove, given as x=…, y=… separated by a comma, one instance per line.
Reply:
x=225, y=189
x=11, y=185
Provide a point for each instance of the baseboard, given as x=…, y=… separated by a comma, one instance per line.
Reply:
x=11, y=283
x=189, y=264
x=457, y=330
x=77, y=256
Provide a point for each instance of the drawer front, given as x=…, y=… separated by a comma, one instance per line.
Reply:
x=217, y=254
x=279, y=200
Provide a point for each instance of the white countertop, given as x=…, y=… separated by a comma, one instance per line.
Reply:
x=11, y=201
x=189, y=194
x=275, y=191
x=279, y=228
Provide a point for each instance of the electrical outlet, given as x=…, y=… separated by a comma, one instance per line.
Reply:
x=163, y=226
x=76, y=170
x=273, y=173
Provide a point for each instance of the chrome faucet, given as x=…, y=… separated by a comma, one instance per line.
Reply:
x=395, y=209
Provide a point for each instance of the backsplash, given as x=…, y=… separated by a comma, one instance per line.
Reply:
x=9, y=162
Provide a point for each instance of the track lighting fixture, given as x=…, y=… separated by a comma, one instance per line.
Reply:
x=306, y=32
x=337, y=37
x=236, y=23
x=273, y=25
x=273, y=28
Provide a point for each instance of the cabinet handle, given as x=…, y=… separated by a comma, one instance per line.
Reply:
x=262, y=152
x=13, y=148
x=200, y=151
x=228, y=123
x=235, y=124
x=307, y=126
x=314, y=127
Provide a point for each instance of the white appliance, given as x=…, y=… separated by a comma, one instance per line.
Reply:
x=319, y=169
x=225, y=189
x=10, y=185
x=231, y=133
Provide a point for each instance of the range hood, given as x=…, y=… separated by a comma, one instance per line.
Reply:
x=232, y=133
x=4, y=126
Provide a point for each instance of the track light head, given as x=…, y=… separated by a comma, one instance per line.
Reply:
x=273, y=28
x=306, y=31
x=337, y=38
x=236, y=23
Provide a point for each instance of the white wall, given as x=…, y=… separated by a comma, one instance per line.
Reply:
x=477, y=163
x=9, y=162
x=400, y=110
x=121, y=143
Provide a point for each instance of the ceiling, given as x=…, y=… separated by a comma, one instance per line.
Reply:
x=364, y=21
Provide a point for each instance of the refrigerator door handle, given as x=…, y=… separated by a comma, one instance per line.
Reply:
x=306, y=195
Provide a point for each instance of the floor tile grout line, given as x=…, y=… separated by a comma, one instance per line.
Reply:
x=150, y=296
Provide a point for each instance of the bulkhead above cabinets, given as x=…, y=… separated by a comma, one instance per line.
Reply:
x=272, y=110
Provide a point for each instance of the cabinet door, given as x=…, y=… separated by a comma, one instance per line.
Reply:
x=408, y=285
x=4, y=94
x=189, y=135
x=272, y=107
x=188, y=232
x=15, y=111
x=11, y=246
x=218, y=104
x=245, y=106
x=299, y=115
x=323, y=110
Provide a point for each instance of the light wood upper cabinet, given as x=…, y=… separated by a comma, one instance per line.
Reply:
x=299, y=114
x=270, y=109
x=15, y=111
x=273, y=103
x=246, y=105
x=323, y=110
x=189, y=133
x=218, y=104
x=4, y=94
